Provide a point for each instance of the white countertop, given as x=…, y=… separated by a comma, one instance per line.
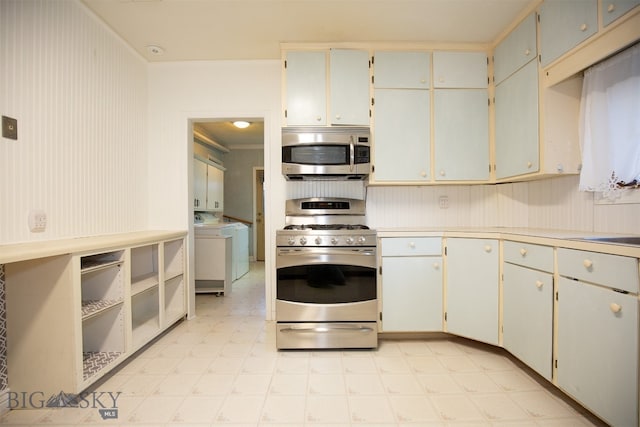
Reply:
x=563, y=238
x=46, y=248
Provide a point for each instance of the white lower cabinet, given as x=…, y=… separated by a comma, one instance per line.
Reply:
x=72, y=318
x=528, y=316
x=472, y=288
x=597, y=342
x=527, y=304
x=411, y=278
x=597, y=356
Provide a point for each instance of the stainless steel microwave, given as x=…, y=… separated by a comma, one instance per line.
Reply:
x=326, y=153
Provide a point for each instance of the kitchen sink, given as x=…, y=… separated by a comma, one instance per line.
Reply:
x=619, y=240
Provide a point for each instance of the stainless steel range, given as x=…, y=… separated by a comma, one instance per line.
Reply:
x=326, y=292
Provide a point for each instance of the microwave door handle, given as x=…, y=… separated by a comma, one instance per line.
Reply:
x=352, y=154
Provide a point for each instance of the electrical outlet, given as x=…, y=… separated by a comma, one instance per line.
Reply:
x=443, y=201
x=37, y=221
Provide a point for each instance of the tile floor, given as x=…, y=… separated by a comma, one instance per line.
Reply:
x=222, y=369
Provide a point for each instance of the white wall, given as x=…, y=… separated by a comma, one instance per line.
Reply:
x=79, y=94
x=184, y=91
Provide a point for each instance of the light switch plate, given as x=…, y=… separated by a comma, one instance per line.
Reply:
x=9, y=127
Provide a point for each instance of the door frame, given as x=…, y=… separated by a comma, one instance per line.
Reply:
x=255, y=211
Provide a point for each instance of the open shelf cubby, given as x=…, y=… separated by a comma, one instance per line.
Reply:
x=145, y=316
x=174, y=298
x=144, y=268
x=173, y=259
x=103, y=340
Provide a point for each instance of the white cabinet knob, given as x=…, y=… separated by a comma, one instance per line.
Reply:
x=527, y=52
x=318, y=118
x=423, y=81
x=441, y=79
x=442, y=173
x=338, y=117
x=583, y=27
x=423, y=174
x=436, y=266
x=615, y=308
x=487, y=248
x=529, y=164
x=412, y=245
x=611, y=7
x=539, y=284
x=587, y=263
x=523, y=251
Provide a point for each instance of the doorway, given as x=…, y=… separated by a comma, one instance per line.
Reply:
x=239, y=151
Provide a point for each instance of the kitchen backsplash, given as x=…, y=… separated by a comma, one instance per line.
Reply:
x=552, y=203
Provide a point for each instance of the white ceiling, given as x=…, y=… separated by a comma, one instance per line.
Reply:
x=253, y=29
x=188, y=30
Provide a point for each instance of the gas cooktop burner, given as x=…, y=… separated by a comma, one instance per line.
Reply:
x=326, y=227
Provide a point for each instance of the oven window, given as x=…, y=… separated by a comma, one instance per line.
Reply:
x=326, y=284
x=319, y=155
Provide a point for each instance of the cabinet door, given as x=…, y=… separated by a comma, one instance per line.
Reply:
x=564, y=24
x=460, y=70
x=610, y=10
x=516, y=122
x=199, y=185
x=402, y=70
x=306, y=82
x=349, y=87
x=598, y=350
x=215, y=188
x=527, y=309
x=402, y=135
x=411, y=294
x=461, y=132
x=472, y=289
x=516, y=50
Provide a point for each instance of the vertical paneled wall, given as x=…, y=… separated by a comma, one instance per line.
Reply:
x=80, y=97
x=549, y=203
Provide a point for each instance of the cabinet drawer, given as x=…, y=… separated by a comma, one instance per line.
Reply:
x=614, y=271
x=528, y=255
x=411, y=246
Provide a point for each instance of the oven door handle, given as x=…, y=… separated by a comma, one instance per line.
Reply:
x=352, y=155
x=326, y=329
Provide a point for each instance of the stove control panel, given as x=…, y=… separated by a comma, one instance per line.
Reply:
x=311, y=239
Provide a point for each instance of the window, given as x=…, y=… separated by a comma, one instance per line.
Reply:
x=610, y=124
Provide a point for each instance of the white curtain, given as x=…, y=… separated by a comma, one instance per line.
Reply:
x=610, y=123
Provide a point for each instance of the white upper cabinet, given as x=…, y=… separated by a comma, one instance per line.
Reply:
x=459, y=70
x=306, y=95
x=402, y=135
x=402, y=117
x=349, y=90
x=516, y=124
x=199, y=184
x=402, y=70
x=461, y=134
x=461, y=116
x=564, y=24
x=517, y=49
x=610, y=10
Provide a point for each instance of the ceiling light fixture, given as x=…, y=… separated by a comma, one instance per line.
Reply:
x=241, y=124
x=155, y=50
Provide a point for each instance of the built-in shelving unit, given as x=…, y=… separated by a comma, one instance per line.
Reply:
x=73, y=317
